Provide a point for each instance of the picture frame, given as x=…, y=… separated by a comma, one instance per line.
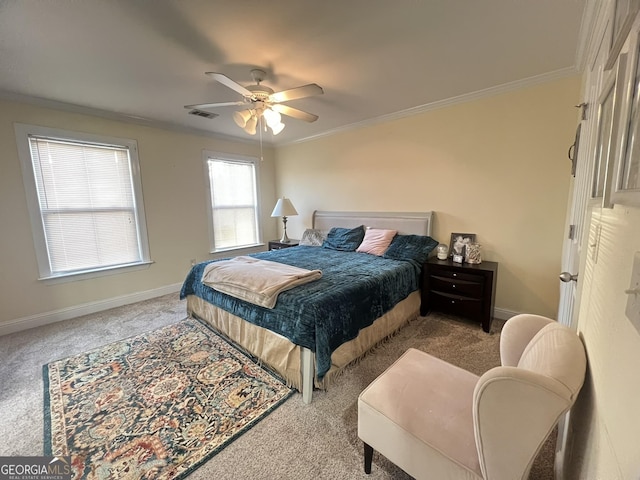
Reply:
x=458, y=243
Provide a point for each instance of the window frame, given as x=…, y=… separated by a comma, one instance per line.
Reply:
x=604, y=138
x=23, y=133
x=208, y=155
x=607, y=147
x=622, y=193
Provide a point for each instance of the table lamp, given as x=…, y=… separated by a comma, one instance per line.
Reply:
x=284, y=208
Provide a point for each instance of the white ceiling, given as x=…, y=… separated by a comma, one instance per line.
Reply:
x=146, y=59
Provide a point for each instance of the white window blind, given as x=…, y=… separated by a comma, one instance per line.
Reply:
x=89, y=215
x=234, y=205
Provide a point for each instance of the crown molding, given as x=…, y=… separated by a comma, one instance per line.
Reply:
x=121, y=117
x=447, y=102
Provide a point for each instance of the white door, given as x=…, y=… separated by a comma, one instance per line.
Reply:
x=576, y=224
x=569, y=275
x=580, y=190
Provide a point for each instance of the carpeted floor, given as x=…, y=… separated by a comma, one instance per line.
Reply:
x=317, y=441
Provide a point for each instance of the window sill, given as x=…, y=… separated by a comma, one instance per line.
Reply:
x=249, y=248
x=95, y=273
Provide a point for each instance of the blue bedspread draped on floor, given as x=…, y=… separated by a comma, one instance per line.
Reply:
x=355, y=289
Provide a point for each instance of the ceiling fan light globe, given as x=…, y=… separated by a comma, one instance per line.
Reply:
x=276, y=129
x=241, y=118
x=272, y=117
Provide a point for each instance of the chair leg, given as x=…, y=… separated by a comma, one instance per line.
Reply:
x=368, y=457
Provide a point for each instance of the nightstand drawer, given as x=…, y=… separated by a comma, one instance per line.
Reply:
x=456, y=304
x=458, y=285
x=453, y=275
x=461, y=289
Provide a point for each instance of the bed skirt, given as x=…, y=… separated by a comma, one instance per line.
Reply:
x=285, y=358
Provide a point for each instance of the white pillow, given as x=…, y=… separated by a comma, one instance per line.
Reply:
x=313, y=238
x=376, y=241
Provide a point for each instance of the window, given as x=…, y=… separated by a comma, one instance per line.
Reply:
x=609, y=107
x=627, y=182
x=605, y=123
x=85, y=200
x=233, y=202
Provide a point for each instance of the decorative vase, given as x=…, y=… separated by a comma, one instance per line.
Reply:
x=442, y=251
x=473, y=253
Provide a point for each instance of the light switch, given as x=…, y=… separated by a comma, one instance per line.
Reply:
x=633, y=293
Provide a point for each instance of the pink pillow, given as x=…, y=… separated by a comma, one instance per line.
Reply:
x=376, y=241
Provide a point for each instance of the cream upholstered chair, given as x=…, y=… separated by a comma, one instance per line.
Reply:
x=437, y=421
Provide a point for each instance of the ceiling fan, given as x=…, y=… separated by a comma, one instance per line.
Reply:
x=262, y=102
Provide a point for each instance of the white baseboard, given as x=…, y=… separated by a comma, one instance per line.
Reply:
x=46, y=318
x=502, y=314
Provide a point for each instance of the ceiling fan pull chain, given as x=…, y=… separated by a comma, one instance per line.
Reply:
x=261, y=122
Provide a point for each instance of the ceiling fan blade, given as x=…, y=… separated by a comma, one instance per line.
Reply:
x=202, y=106
x=298, y=92
x=294, y=112
x=227, y=82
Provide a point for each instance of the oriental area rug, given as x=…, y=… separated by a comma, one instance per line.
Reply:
x=154, y=406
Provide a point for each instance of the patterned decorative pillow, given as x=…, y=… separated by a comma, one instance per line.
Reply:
x=344, y=239
x=414, y=248
x=376, y=241
x=313, y=238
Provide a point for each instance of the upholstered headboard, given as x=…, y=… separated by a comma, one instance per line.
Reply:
x=416, y=223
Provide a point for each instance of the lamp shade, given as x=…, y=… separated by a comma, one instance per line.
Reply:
x=284, y=208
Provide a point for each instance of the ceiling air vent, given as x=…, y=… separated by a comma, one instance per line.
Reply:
x=202, y=113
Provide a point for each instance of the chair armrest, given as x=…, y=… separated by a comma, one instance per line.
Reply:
x=514, y=410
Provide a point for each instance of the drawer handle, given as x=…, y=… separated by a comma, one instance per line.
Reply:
x=455, y=275
x=453, y=286
x=453, y=301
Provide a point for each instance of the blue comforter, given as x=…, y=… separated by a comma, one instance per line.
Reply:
x=355, y=289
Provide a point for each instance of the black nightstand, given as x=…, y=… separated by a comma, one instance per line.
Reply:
x=460, y=288
x=278, y=245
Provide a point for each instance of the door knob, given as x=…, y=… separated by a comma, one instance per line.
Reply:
x=568, y=277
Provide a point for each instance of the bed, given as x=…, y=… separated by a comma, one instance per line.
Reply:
x=308, y=337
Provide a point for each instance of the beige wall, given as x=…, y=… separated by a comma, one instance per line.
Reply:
x=175, y=204
x=496, y=167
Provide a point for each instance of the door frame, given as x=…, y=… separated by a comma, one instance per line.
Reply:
x=574, y=249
